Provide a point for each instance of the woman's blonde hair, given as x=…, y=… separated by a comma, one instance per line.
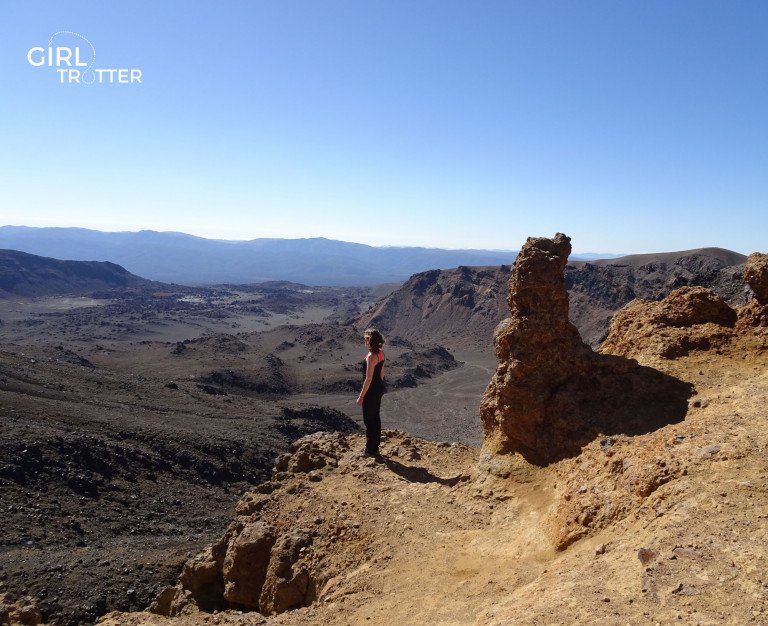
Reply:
x=375, y=340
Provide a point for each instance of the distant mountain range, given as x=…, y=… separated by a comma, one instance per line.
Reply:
x=185, y=259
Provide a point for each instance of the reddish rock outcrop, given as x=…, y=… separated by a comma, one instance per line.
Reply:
x=756, y=275
x=21, y=611
x=538, y=349
x=264, y=561
x=754, y=315
x=551, y=394
x=688, y=319
x=246, y=562
x=691, y=319
x=288, y=582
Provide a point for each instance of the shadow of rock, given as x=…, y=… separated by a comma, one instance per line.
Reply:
x=616, y=396
x=420, y=474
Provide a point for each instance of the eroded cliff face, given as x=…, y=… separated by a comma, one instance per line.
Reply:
x=269, y=558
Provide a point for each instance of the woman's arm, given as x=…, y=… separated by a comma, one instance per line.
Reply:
x=368, y=377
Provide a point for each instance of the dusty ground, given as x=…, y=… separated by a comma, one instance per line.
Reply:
x=425, y=538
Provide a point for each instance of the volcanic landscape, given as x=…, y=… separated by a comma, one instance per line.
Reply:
x=135, y=414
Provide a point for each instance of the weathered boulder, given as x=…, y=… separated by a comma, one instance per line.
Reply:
x=202, y=576
x=174, y=601
x=688, y=306
x=288, y=583
x=245, y=563
x=754, y=314
x=317, y=451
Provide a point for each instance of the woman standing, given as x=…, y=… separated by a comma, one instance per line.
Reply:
x=373, y=389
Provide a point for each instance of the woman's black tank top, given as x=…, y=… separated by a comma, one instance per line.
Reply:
x=377, y=385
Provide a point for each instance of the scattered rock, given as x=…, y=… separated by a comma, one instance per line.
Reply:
x=708, y=452
x=647, y=584
x=687, y=553
x=646, y=555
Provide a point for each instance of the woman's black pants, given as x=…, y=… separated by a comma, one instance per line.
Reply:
x=372, y=421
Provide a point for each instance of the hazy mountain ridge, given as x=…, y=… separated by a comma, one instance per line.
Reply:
x=187, y=259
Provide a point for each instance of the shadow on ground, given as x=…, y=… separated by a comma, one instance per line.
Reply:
x=420, y=474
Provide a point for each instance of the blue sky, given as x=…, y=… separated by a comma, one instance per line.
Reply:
x=630, y=126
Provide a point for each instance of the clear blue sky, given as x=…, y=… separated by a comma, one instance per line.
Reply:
x=631, y=126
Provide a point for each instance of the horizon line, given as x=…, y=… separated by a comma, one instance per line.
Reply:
x=226, y=240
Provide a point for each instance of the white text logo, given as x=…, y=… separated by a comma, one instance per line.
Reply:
x=74, y=64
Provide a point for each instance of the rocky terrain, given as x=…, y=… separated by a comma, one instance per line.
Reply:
x=108, y=477
x=460, y=308
x=653, y=519
x=127, y=407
